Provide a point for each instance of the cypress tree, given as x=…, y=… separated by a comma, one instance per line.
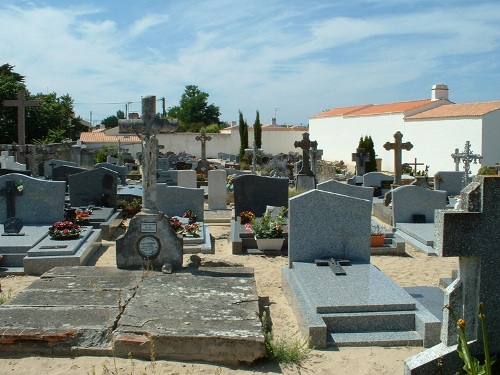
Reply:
x=257, y=131
x=243, y=129
x=370, y=166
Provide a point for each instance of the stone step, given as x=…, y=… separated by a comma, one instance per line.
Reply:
x=12, y=260
x=444, y=282
x=371, y=321
x=7, y=271
x=392, y=246
x=386, y=339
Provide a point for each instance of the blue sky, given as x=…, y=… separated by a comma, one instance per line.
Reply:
x=289, y=58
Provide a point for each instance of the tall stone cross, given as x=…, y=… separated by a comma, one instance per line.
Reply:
x=21, y=103
x=470, y=233
x=361, y=157
x=305, y=144
x=467, y=156
x=203, y=138
x=398, y=146
x=315, y=155
x=10, y=192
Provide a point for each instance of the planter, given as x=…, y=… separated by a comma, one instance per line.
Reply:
x=377, y=241
x=130, y=211
x=269, y=243
x=67, y=237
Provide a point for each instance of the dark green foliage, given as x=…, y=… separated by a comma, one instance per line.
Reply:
x=367, y=144
x=102, y=155
x=214, y=128
x=193, y=110
x=110, y=122
x=243, y=129
x=257, y=131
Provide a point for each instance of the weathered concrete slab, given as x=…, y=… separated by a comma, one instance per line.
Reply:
x=203, y=315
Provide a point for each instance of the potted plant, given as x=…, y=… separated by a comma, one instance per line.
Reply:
x=130, y=207
x=268, y=230
x=246, y=217
x=377, y=236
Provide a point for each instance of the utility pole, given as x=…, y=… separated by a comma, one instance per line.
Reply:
x=163, y=104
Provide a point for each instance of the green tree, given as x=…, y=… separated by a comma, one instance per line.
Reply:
x=120, y=114
x=110, y=122
x=243, y=129
x=257, y=131
x=367, y=144
x=10, y=83
x=193, y=110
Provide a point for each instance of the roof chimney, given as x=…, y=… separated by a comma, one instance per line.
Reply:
x=273, y=121
x=439, y=92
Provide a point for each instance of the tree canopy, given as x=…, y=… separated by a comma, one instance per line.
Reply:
x=51, y=121
x=193, y=110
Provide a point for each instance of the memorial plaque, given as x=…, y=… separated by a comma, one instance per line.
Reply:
x=148, y=228
x=13, y=226
x=149, y=247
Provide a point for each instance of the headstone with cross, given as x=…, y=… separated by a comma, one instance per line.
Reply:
x=203, y=138
x=467, y=156
x=398, y=146
x=471, y=234
x=334, y=264
x=415, y=164
x=21, y=103
x=361, y=157
x=10, y=192
x=305, y=144
x=254, y=150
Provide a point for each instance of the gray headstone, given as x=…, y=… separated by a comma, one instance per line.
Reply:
x=98, y=185
x=175, y=200
x=167, y=177
x=410, y=200
x=254, y=193
x=450, y=181
x=186, y=179
x=163, y=164
x=381, y=182
x=120, y=169
x=328, y=225
x=470, y=233
x=63, y=172
x=41, y=202
x=49, y=165
x=217, y=193
x=333, y=186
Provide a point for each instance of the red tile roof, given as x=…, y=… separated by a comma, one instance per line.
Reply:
x=458, y=110
x=341, y=111
x=99, y=137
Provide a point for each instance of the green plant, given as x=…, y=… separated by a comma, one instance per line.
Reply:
x=485, y=170
x=293, y=193
x=134, y=171
x=377, y=231
x=471, y=364
x=130, y=202
x=286, y=350
x=267, y=226
x=5, y=296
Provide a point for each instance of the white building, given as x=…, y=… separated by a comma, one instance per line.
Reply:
x=435, y=127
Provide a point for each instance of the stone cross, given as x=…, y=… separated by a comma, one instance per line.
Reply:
x=315, y=155
x=305, y=144
x=398, y=146
x=10, y=192
x=21, y=103
x=203, y=138
x=361, y=157
x=254, y=152
x=471, y=234
x=467, y=156
x=415, y=166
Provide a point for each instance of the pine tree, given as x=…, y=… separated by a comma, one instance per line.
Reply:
x=257, y=131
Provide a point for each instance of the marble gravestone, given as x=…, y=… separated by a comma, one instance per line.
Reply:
x=469, y=233
x=98, y=185
x=333, y=186
x=410, y=200
x=450, y=181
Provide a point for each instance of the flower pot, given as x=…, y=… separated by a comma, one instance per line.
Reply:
x=269, y=243
x=377, y=241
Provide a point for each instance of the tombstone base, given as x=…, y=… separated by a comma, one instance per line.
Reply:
x=305, y=182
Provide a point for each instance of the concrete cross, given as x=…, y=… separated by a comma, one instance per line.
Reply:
x=10, y=192
x=467, y=156
x=470, y=233
x=315, y=155
x=305, y=144
x=398, y=146
x=415, y=166
x=254, y=152
x=203, y=138
x=361, y=157
x=21, y=103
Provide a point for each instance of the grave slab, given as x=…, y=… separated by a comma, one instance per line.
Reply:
x=209, y=315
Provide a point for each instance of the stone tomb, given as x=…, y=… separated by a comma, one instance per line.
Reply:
x=450, y=181
x=39, y=205
x=469, y=233
x=345, y=189
x=76, y=311
x=381, y=182
x=49, y=165
x=98, y=185
x=338, y=297
x=174, y=201
x=63, y=172
x=167, y=177
x=120, y=169
x=254, y=193
x=413, y=210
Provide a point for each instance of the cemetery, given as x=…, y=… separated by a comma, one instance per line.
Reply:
x=186, y=275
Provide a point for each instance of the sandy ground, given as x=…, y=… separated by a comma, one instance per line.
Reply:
x=415, y=269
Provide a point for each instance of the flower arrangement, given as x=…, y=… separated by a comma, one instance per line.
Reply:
x=201, y=177
x=247, y=217
x=176, y=225
x=64, y=229
x=229, y=182
x=192, y=229
x=267, y=226
x=191, y=215
x=19, y=185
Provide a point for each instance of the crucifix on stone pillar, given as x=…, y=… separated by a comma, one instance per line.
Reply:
x=467, y=156
x=10, y=192
x=361, y=157
x=203, y=138
x=305, y=144
x=21, y=103
x=398, y=146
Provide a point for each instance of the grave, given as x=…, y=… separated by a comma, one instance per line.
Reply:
x=338, y=297
x=217, y=193
x=333, y=186
x=186, y=179
x=449, y=181
x=49, y=165
x=63, y=172
x=169, y=177
x=398, y=146
x=39, y=204
x=381, y=182
x=361, y=157
x=466, y=156
x=254, y=193
x=413, y=210
x=120, y=169
x=98, y=185
x=305, y=179
x=469, y=233
x=113, y=312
